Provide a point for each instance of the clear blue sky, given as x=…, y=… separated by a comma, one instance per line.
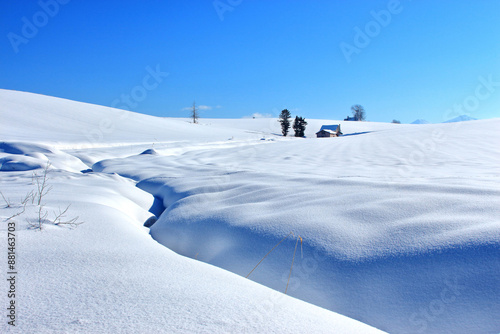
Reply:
x=260, y=56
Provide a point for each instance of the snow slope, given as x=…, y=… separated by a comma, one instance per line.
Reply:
x=399, y=224
x=389, y=219
x=64, y=122
x=108, y=274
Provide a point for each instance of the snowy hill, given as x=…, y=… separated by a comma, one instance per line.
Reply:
x=461, y=118
x=420, y=121
x=398, y=224
x=54, y=120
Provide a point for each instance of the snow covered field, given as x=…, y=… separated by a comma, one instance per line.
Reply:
x=398, y=224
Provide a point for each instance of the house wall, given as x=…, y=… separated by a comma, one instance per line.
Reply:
x=325, y=134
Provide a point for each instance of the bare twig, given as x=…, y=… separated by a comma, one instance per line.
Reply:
x=41, y=182
x=59, y=216
x=6, y=201
x=268, y=253
x=17, y=214
x=58, y=220
x=42, y=215
x=27, y=198
x=72, y=222
x=37, y=198
x=293, y=260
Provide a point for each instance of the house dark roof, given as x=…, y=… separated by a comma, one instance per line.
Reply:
x=329, y=131
x=329, y=127
x=333, y=129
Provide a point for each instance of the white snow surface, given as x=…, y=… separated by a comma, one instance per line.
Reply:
x=398, y=224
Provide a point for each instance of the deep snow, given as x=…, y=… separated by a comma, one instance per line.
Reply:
x=399, y=223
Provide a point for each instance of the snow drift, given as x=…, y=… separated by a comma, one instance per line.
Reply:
x=398, y=223
x=108, y=274
x=403, y=247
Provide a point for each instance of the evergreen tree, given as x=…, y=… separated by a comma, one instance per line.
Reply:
x=299, y=126
x=284, y=119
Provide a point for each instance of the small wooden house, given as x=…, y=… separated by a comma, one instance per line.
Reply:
x=329, y=131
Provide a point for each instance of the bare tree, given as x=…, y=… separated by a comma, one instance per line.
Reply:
x=194, y=113
x=358, y=112
x=38, y=196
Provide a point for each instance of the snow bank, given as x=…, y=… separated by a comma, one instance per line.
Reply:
x=108, y=274
x=399, y=225
x=17, y=156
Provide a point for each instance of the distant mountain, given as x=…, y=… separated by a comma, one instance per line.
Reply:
x=461, y=118
x=420, y=121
